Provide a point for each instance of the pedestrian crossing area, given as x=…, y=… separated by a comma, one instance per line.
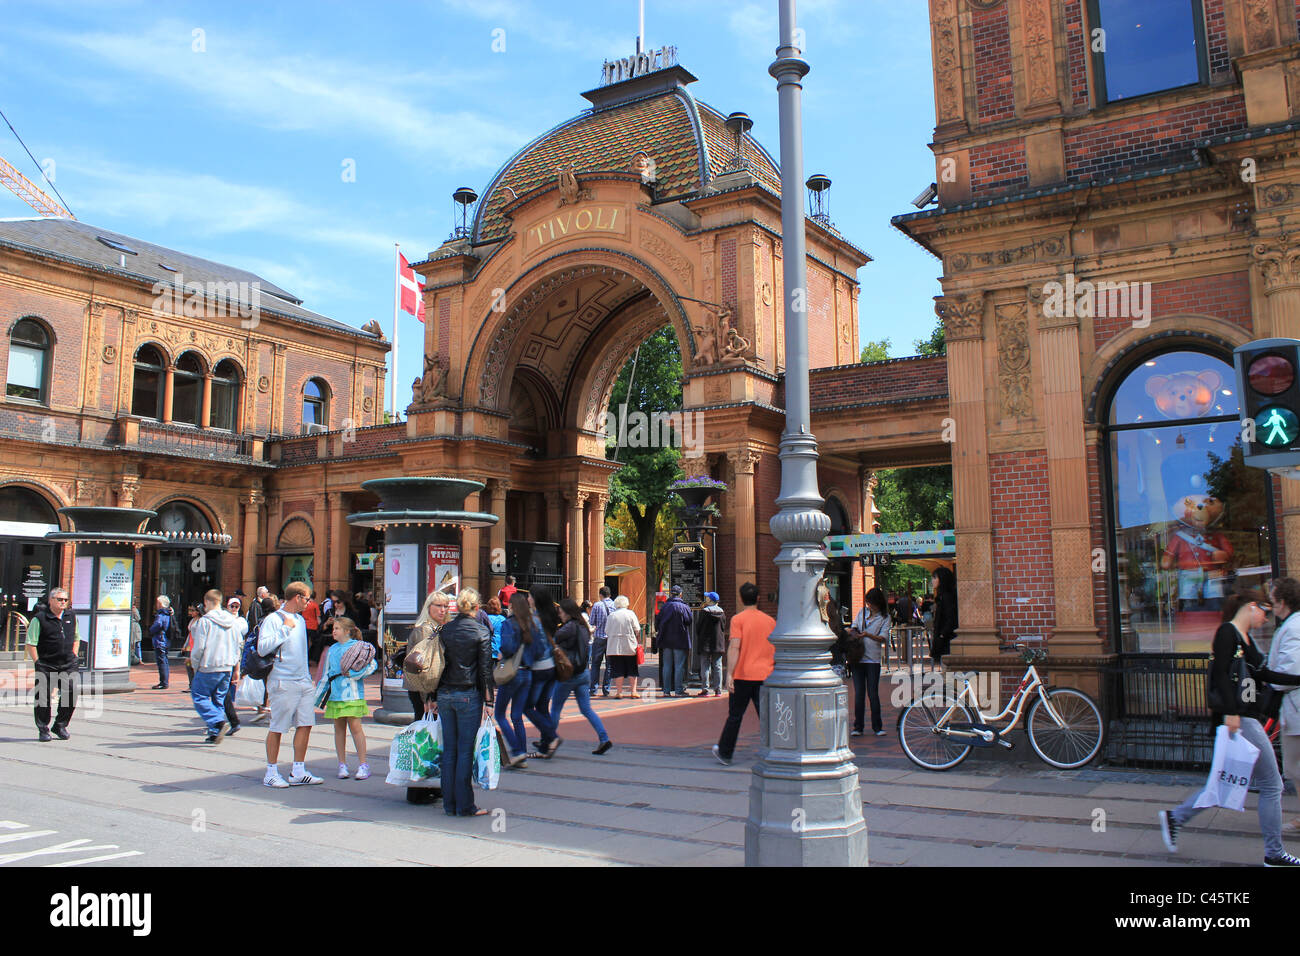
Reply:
x=14, y=848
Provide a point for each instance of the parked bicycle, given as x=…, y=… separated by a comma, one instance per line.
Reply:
x=1064, y=725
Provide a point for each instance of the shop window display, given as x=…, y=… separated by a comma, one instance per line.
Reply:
x=1191, y=521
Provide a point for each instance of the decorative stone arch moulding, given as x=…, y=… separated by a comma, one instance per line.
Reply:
x=296, y=516
x=55, y=496
x=590, y=399
x=1100, y=376
x=215, y=518
x=40, y=320
x=487, y=374
x=169, y=358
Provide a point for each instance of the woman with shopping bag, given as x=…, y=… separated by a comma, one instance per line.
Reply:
x=460, y=702
x=1237, y=678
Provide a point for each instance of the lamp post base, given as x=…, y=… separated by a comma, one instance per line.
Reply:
x=805, y=807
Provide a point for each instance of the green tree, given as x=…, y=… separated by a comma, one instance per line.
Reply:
x=651, y=382
x=913, y=499
x=620, y=532
x=875, y=351
x=934, y=345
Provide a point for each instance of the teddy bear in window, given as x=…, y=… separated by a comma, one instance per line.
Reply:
x=1201, y=555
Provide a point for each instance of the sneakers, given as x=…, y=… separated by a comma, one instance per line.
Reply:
x=305, y=779
x=1169, y=832
x=1286, y=859
x=344, y=773
x=855, y=733
x=603, y=748
x=725, y=761
x=363, y=772
x=880, y=733
x=233, y=730
x=273, y=779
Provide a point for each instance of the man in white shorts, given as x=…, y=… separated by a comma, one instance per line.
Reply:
x=290, y=691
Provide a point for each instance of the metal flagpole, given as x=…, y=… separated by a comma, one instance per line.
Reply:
x=640, y=27
x=805, y=808
x=397, y=297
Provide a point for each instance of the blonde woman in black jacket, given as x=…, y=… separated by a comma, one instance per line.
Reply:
x=460, y=702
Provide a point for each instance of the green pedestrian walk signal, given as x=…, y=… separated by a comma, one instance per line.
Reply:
x=1268, y=387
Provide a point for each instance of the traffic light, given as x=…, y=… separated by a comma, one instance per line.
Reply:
x=1268, y=389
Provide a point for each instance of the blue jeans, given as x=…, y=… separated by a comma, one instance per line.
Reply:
x=514, y=696
x=538, y=708
x=675, y=669
x=461, y=712
x=203, y=688
x=1267, y=778
x=711, y=671
x=580, y=686
x=597, y=655
x=866, y=681
x=160, y=655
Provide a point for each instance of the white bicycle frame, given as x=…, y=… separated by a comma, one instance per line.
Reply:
x=1028, y=684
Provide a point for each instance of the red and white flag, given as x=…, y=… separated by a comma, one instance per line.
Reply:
x=411, y=300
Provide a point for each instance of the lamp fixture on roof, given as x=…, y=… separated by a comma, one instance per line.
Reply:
x=739, y=124
x=465, y=197
x=819, y=198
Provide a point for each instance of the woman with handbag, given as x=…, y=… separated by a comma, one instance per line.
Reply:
x=867, y=638
x=429, y=624
x=461, y=702
x=573, y=639
x=1237, y=679
x=517, y=639
x=538, y=709
x=623, y=640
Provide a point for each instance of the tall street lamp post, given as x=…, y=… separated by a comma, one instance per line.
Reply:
x=805, y=808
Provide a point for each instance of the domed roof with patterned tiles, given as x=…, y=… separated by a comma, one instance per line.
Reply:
x=688, y=141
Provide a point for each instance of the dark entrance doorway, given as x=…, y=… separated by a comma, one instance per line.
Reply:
x=29, y=565
x=185, y=568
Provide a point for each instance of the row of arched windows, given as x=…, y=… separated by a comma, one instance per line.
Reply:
x=193, y=400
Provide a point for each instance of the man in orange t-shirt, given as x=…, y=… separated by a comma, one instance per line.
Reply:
x=311, y=617
x=750, y=657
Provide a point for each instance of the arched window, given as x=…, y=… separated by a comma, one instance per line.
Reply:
x=29, y=352
x=315, y=406
x=1190, y=522
x=147, y=387
x=187, y=389
x=225, y=396
x=179, y=518
x=18, y=504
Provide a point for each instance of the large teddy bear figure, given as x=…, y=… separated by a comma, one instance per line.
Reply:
x=1184, y=394
x=1200, y=555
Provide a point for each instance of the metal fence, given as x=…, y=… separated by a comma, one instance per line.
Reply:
x=1155, y=710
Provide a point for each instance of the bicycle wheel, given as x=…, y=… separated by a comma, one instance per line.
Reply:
x=1074, y=742
x=918, y=737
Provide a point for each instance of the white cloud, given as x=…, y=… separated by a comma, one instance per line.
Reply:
x=541, y=23
x=247, y=78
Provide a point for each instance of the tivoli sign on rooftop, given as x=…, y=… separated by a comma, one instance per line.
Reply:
x=638, y=64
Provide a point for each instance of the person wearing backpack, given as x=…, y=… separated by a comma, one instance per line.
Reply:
x=517, y=630
x=267, y=607
x=214, y=654
x=159, y=636
x=573, y=639
x=289, y=688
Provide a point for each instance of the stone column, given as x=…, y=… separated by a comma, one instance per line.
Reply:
x=252, y=506
x=471, y=548
x=169, y=382
x=205, y=409
x=742, y=463
x=340, y=534
x=577, y=532
x=967, y=430
x=497, y=537
x=1075, y=632
x=1277, y=265
x=596, y=546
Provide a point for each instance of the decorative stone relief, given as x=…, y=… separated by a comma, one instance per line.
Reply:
x=109, y=354
x=947, y=61
x=1259, y=24
x=263, y=384
x=658, y=247
x=1014, y=397
x=1038, y=251
x=1277, y=194
x=485, y=299
x=1278, y=259
x=1040, y=57
x=367, y=404
x=962, y=315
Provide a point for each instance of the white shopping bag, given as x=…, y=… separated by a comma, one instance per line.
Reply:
x=250, y=693
x=415, y=758
x=487, y=756
x=1234, y=761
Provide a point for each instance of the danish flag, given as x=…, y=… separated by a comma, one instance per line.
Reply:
x=411, y=301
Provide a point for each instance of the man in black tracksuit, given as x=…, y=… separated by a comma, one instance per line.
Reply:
x=53, y=644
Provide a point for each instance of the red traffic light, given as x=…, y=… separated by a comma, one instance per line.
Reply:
x=1270, y=375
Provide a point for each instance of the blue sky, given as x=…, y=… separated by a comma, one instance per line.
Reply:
x=236, y=153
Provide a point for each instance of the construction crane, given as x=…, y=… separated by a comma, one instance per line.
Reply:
x=30, y=193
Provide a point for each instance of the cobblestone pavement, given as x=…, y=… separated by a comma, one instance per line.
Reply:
x=136, y=778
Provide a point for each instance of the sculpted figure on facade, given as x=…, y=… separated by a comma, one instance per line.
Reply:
x=433, y=384
x=571, y=190
x=644, y=166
